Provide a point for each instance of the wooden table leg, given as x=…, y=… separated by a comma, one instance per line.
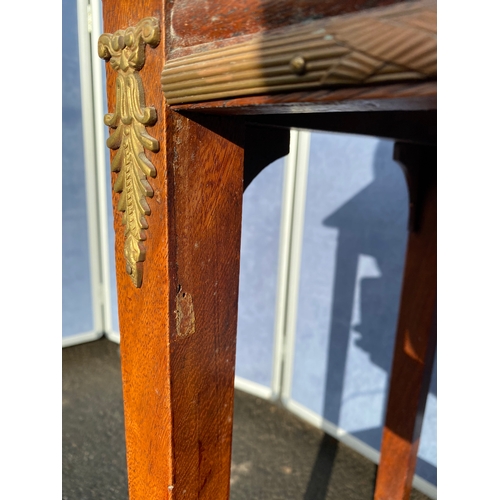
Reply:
x=206, y=171
x=178, y=321
x=179, y=330
x=416, y=331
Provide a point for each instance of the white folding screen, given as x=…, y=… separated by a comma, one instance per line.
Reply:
x=81, y=318
x=87, y=281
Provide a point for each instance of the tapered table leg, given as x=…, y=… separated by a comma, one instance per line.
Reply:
x=177, y=264
x=206, y=169
x=179, y=330
x=416, y=331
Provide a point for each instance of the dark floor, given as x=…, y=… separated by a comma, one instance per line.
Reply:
x=275, y=454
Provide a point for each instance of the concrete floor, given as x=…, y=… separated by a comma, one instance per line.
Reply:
x=275, y=454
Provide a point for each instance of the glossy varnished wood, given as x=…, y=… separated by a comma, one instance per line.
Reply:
x=416, y=331
x=143, y=332
x=178, y=331
x=199, y=22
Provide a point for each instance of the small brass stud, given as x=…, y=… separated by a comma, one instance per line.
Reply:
x=298, y=65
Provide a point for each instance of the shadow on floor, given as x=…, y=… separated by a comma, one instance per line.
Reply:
x=276, y=456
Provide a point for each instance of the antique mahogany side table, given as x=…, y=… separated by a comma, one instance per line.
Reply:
x=202, y=96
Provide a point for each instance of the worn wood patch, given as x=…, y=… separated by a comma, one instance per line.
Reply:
x=184, y=314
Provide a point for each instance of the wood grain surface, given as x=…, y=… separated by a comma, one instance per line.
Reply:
x=144, y=312
x=178, y=331
x=416, y=332
x=199, y=22
x=206, y=165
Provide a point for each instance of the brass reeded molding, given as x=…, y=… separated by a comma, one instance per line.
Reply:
x=380, y=45
x=125, y=51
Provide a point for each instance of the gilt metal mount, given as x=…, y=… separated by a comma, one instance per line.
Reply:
x=125, y=51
